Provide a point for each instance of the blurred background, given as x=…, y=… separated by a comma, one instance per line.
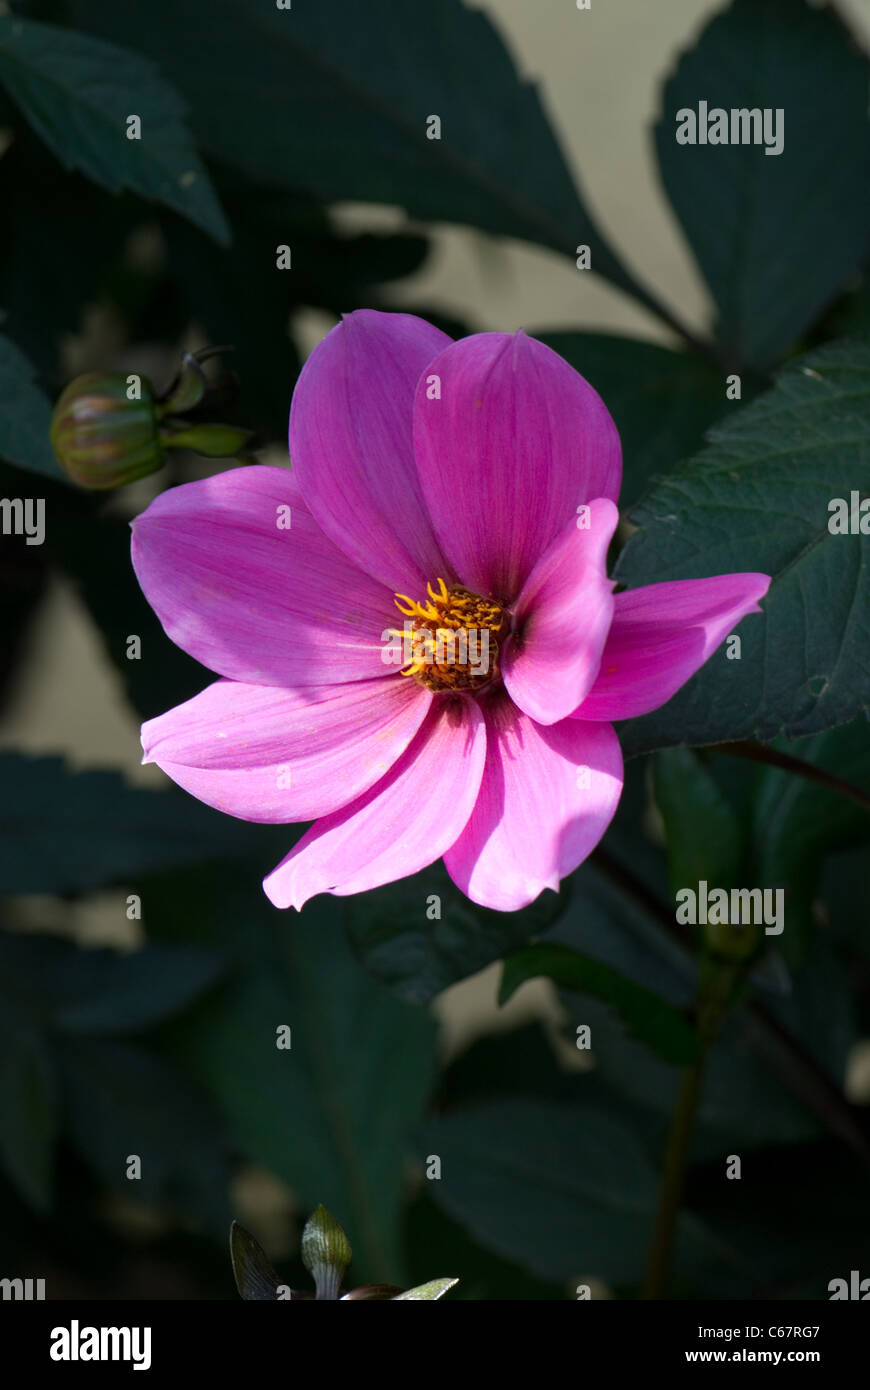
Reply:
x=91, y=280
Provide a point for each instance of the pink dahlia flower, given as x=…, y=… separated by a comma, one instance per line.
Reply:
x=417, y=642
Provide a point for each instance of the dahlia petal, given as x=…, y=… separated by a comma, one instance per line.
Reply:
x=661, y=635
x=351, y=444
x=562, y=619
x=253, y=601
x=266, y=754
x=513, y=442
x=546, y=799
x=403, y=823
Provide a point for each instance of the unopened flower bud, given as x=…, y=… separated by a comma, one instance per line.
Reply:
x=326, y=1252
x=102, y=438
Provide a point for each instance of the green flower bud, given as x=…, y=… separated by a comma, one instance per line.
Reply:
x=326, y=1252
x=101, y=437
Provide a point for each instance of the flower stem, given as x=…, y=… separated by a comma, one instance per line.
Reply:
x=780, y=1049
x=717, y=992
x=760, y=753
x=679, y=1141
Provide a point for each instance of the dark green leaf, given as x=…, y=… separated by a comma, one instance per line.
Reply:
x=396, y=936
x=623, y=929
x=66, y=832
x=651, y=1019
x=243, y=298
x=130, y=992
x=662, y=401
x=334, y=98
x=318, y=1112
x=565, y=1190
x=628, y=929
x=744, y=1105
x=841, y=891
x=101, y=991
x=518, y=1063
x=819, y=1010
x=119, y=1102
x=702, y=829
x=255, y=1278
x=28, y=1108
x=78, y=93
x=25, y=416
x=758, y=499
x=850, y=316
x=436, y=1241
x=45, y=293
x=776, y=235
x=55, y=992
x=795, y=822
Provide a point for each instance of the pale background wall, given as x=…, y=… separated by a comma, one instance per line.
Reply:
x=600, y=72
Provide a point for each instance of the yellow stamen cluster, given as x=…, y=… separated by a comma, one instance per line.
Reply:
x=449, y=648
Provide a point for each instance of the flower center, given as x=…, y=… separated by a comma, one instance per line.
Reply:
x=452, y=640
